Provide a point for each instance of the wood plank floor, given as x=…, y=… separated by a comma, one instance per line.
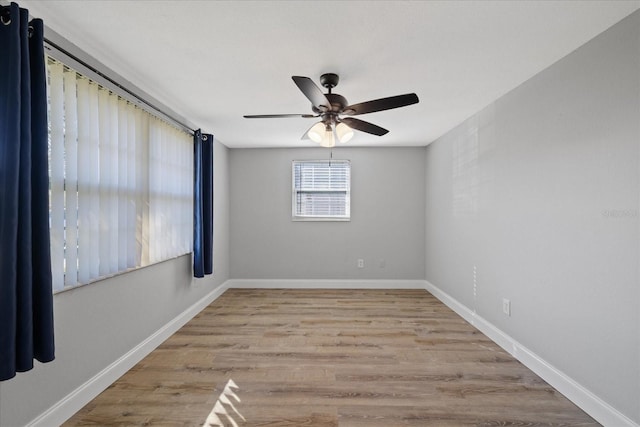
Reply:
x=330, y=358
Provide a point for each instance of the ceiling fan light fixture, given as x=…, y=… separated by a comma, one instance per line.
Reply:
x=328, y=139
x=344, y=132
x=317, y=131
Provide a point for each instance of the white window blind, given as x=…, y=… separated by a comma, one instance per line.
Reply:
x=321, y=190
x=120, y=182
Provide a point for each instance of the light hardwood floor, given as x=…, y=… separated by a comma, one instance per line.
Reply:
x=330, y=358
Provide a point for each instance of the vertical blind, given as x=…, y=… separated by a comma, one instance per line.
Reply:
x=121, y=182
x=321, y=189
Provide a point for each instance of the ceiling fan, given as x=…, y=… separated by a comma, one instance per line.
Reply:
x=331, y=106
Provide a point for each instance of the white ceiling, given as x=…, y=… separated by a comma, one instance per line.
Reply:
x=214, y=61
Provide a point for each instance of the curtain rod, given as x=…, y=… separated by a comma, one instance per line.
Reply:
x=56, y=46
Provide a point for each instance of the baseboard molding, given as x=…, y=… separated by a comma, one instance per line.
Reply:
x=582, y=397
x=73, y=402
x=325, y=284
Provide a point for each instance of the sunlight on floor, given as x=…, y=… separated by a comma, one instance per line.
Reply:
x=221, y=405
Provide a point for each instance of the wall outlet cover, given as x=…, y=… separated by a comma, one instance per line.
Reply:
x=506, y=306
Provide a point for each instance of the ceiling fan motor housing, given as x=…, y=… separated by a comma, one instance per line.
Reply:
x=338, y=102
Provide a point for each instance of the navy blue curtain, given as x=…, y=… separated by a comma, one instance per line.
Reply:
x=26, y=300
x=203, y=204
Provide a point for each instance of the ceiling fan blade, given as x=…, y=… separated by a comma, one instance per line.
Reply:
x=363, y=126
x=381, y=104
x=313, y=92
x=278, y=116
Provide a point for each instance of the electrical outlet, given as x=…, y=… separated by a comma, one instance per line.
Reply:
x=360, y=263
x=506, y=306
x=382, y=263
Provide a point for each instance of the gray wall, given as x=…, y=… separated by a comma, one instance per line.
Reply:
x=387, y=217
x=99, y=323
x=536, y=199
x=538, y=194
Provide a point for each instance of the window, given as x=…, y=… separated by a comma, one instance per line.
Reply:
x=121, y=182
x=321, y=190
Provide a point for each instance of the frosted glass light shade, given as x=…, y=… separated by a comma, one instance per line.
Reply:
x=316, y=133
x=329, y=139
x=344, y=132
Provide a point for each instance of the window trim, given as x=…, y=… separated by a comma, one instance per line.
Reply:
x=298, y=218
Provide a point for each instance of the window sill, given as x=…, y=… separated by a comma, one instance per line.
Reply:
x=318, y=218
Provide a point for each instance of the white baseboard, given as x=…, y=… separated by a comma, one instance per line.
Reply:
x=325, y=284
x=600, y=410
x=76, y=400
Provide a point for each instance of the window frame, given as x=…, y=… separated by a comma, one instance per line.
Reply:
x=294, y=191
